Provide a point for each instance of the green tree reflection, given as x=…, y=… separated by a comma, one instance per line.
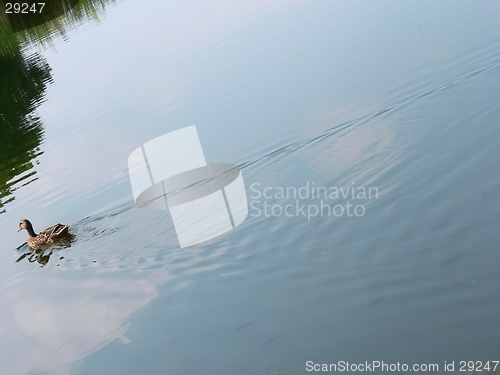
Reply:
x=22, y=87
x=23, y=82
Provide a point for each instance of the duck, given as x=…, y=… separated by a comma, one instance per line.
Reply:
x=48, y=236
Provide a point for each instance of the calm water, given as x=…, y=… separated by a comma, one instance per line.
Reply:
x=398, y=97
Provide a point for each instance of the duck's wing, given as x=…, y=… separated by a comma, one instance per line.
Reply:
x=49, y=230
x=57, y=230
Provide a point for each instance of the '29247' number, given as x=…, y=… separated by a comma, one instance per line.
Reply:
x=24, y=8
x=474, y=366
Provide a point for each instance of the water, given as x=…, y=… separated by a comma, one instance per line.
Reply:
x=397, y=97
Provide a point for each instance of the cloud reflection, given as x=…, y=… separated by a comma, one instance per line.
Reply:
x=361, y=153
x=75, y=306
x=66, y=317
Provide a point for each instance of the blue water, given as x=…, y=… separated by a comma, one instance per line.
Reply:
x=395, y=96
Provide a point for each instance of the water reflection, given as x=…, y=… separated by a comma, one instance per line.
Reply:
x=40, y=27
x=37, y=15
x=91, y=288
x=22, y=89
x=23, y=82
x=42, y=254
x=38, y=255
x=68, y=318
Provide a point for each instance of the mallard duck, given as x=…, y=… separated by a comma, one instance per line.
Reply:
x=49, y=235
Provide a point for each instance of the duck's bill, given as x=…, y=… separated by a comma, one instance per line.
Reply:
x=19, y=229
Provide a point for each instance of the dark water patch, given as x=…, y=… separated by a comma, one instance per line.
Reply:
x=247, y=258
x=442, y=225
x=160, y=256
x=180, y=260
x=399, y=203
x=376, y=301
x=270, y=340
x=451, y=259
x=244, y=326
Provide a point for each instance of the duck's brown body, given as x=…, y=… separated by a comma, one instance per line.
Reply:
x=47, y=236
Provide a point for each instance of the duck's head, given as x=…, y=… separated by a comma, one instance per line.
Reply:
x=23, y=224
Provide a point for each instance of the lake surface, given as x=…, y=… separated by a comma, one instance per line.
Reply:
x=400, y=100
